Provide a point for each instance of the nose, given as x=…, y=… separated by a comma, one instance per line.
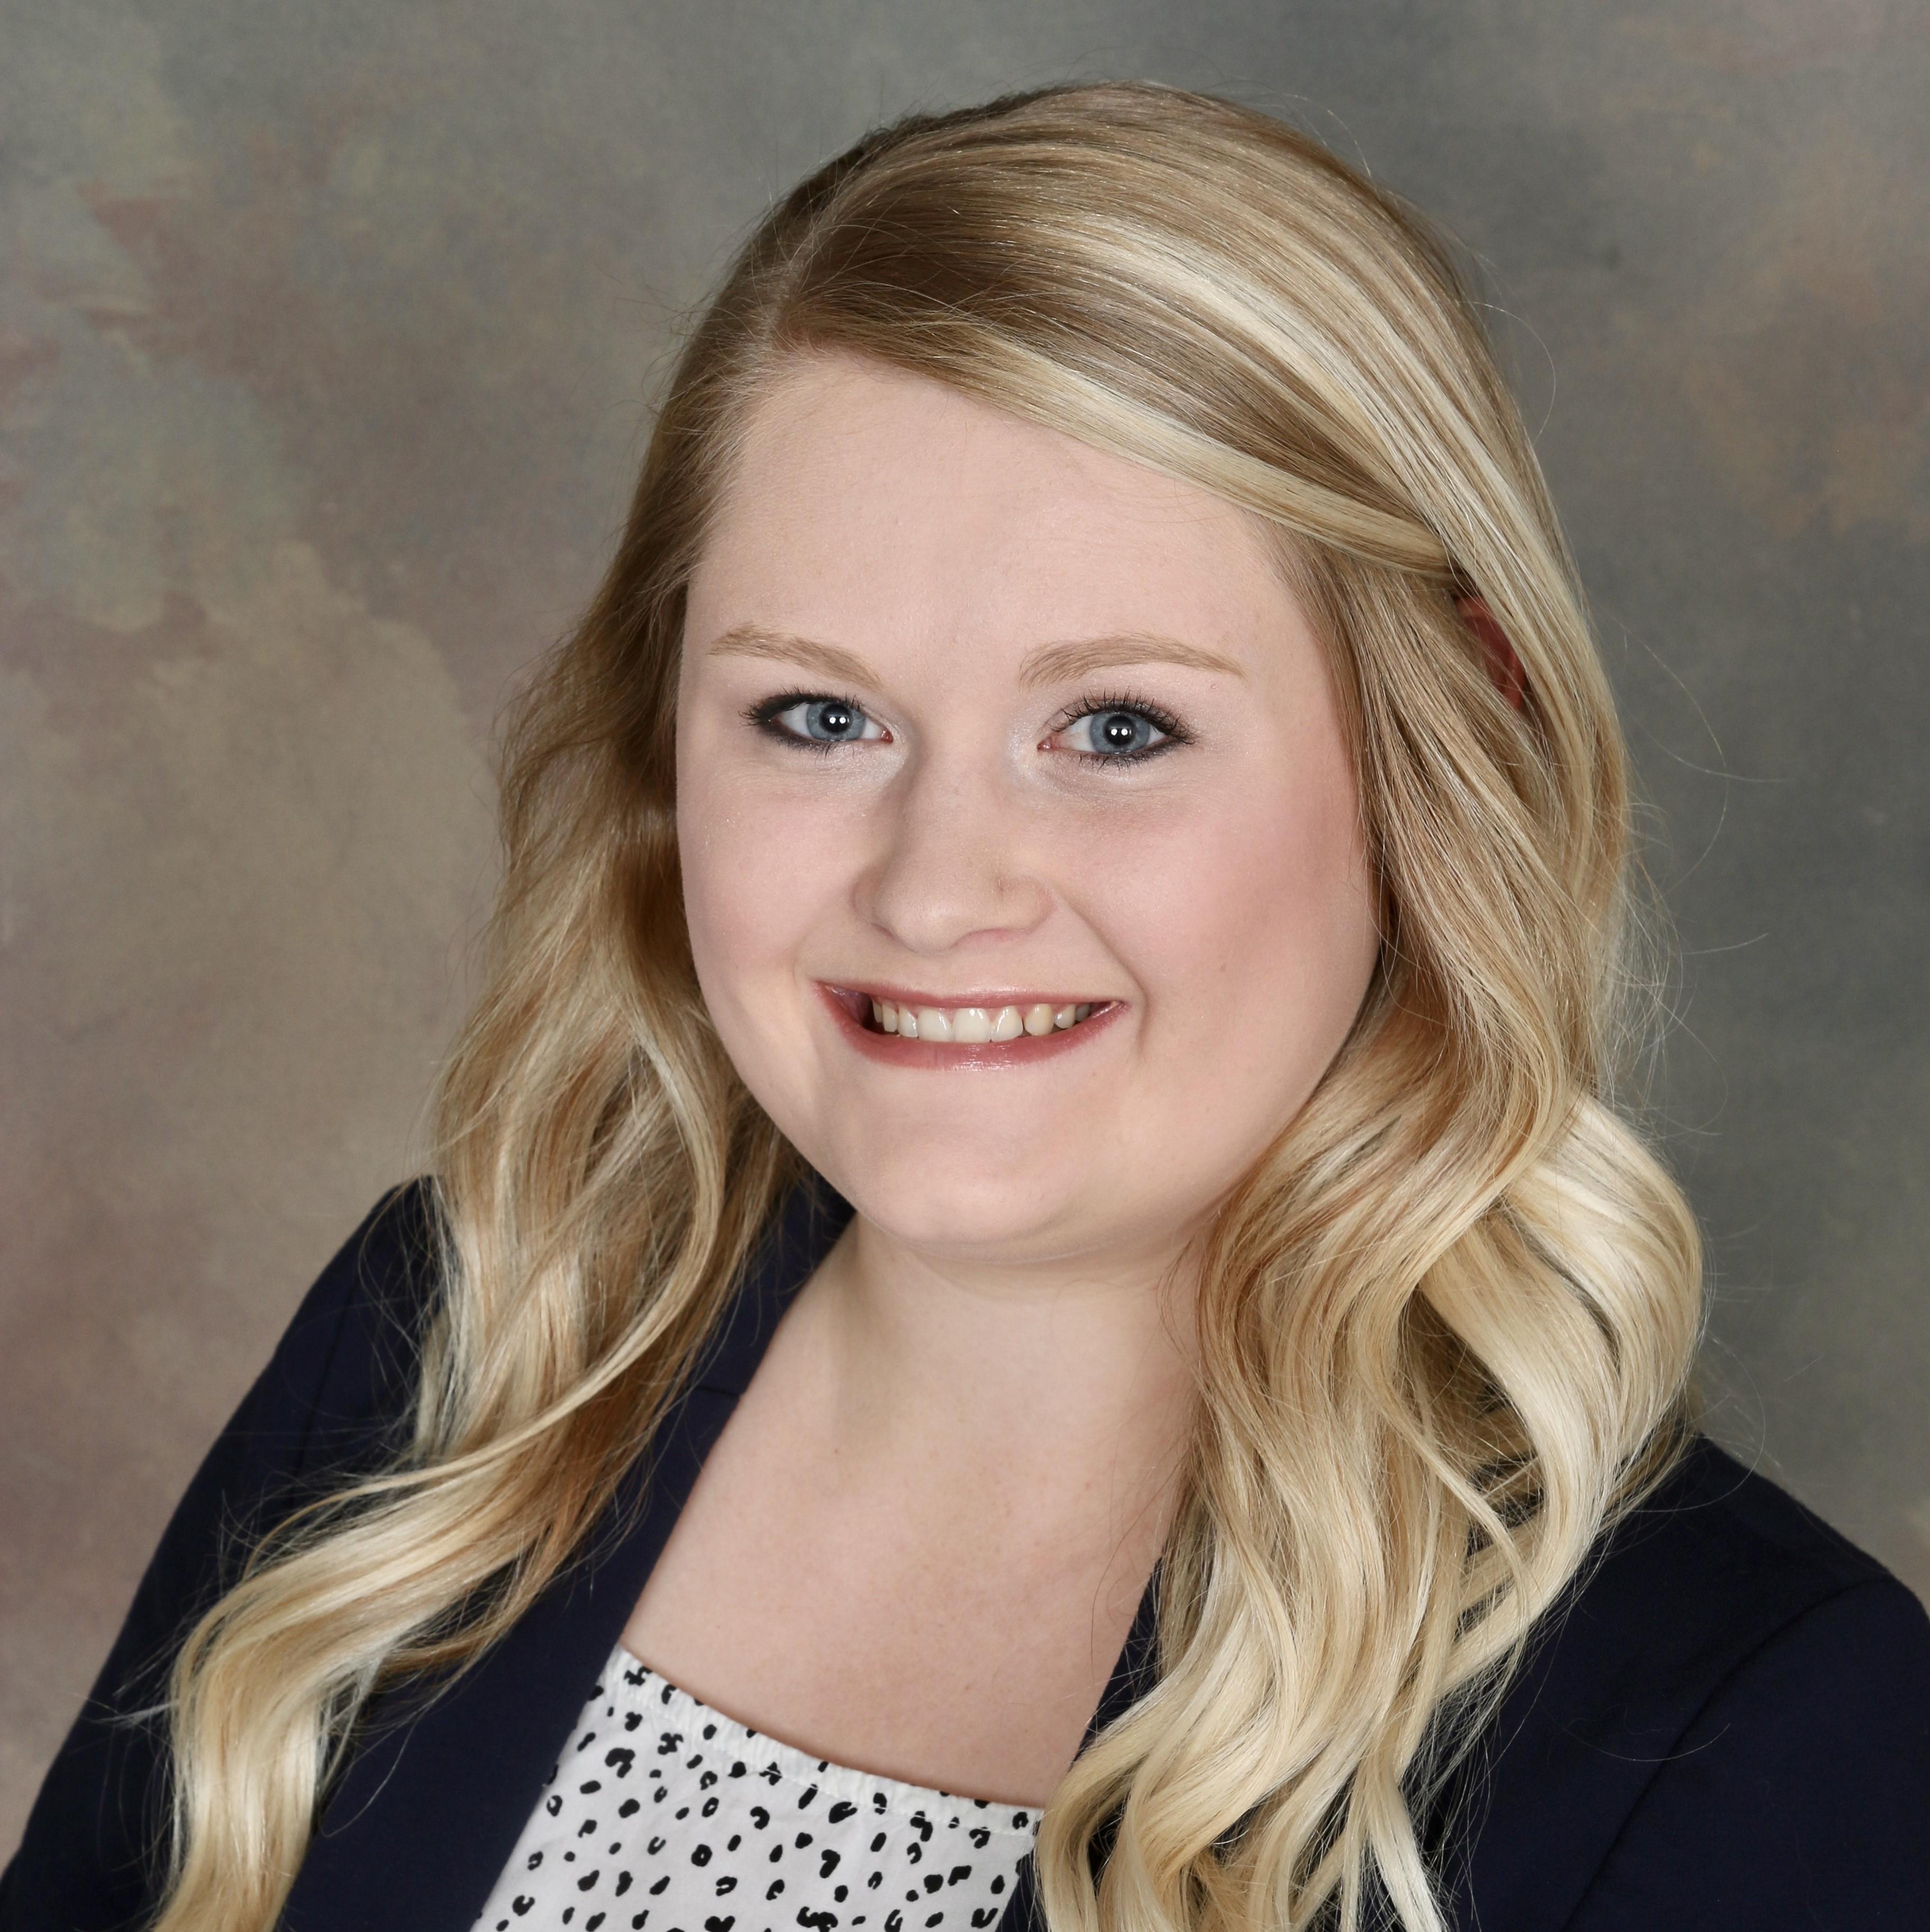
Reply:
x=956, y=862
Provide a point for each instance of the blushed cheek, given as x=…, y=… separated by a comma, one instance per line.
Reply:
x=733, y=918
x=738, y=918
x=734, y=923
x=1264, y=935
x=759, y=873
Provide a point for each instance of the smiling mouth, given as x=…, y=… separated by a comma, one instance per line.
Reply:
x=991, y=1024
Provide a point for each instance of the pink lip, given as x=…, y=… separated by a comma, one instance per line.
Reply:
x=891, y=1049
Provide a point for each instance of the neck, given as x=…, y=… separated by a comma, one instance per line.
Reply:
x=1072, y=1377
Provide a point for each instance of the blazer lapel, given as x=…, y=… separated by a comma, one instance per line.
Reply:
x=432, y=1806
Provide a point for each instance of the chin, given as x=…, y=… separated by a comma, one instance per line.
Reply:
x=944, y=1201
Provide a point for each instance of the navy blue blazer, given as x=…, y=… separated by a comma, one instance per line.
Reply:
x=1726, y=1725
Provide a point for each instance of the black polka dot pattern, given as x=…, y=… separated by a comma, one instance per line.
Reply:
x=664, y=1816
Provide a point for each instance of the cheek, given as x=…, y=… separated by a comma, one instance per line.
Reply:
x=759, y=872
x=736, y=919
x=1256, y=931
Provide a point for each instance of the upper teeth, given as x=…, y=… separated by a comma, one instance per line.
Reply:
x=969, y=1025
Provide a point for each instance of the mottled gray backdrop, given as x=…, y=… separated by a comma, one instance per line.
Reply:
x=326, y=335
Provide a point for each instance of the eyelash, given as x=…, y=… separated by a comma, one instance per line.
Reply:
x=1156, y=715
x=765, y=713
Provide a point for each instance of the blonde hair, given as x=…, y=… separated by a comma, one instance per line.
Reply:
x=1445, y=1324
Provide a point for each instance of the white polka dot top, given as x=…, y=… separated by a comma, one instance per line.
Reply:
x=664, y=1816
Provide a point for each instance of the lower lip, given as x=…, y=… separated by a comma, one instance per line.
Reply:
x=891, y=1049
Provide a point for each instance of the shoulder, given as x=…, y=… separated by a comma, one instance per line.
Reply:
x=1727, y=1722
x=343, y=1375
x=1718, y=1562
x=333, y=1398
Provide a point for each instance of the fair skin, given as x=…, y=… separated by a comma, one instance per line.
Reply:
x=923, y=641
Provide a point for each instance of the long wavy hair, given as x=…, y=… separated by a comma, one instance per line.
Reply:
x=1445, y=1323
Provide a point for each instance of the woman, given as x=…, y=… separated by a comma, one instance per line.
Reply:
x=1032, y=1208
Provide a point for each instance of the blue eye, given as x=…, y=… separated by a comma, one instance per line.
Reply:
x=820, y=722
x=1115, y=734
x=831, y=718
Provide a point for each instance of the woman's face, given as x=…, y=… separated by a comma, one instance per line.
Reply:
x=979, y=722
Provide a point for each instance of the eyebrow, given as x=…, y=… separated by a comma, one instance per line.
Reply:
x=753, y=640
x=1050, y=663
x=1055, y=664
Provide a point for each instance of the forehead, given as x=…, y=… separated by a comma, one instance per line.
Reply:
x=875, y=506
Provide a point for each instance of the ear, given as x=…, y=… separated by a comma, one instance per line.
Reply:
x=1504, y=667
